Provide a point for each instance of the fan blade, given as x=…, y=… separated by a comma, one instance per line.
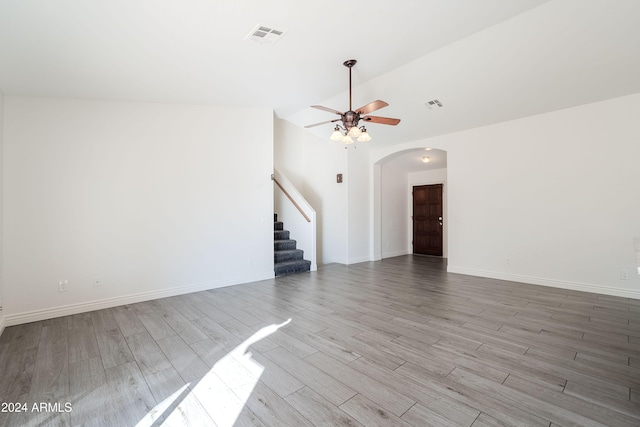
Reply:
x=381, y=120
x=321, y=123
x=372, y=106
x=331, y=110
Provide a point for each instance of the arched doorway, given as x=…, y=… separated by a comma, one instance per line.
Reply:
x=395, y=177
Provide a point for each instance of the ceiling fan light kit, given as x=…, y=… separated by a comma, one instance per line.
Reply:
x=337, y=135
x=350, y=127
x=364, y=136
x=354, y=132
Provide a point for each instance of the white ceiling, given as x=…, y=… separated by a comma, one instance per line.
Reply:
x=486, y=61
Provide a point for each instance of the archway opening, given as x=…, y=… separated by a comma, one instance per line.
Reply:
x=395, y=177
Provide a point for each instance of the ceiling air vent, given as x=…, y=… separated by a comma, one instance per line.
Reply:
x=264, y=35
x=433, y=104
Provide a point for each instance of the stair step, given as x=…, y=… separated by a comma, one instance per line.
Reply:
x=284, y=245
x=287, y=258
x=281, y=235
x=288, y=255
x=290, y=267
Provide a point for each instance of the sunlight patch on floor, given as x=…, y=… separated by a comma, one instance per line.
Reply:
x=222, y=392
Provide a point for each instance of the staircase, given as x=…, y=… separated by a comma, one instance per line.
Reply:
x=287, y=259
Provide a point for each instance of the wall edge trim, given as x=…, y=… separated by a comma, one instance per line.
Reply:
x=553, y=283
x=358, y=260
x=394, y=254
x=66, y=310
x=2, y=323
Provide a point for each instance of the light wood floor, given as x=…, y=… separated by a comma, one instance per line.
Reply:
x=398, y=342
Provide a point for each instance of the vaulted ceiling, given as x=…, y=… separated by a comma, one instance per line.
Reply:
x=485, y=61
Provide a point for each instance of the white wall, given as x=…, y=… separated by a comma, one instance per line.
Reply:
x=1, y=204
x=428, y=177
x=311, y=165
x=395, y=213
x=554, y=194
x=151, y=199
x=359, y=212
x=548, y=199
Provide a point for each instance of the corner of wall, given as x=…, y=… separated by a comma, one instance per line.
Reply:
x=1, y=208
x=311, y=164
x=1, y=322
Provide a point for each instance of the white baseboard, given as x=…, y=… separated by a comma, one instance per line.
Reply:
x=395, y=253
x=575, y=286
x=49, y=313
x=358, y=260
x=335, y=261
x=1, y=322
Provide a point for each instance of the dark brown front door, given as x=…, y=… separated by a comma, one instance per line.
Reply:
x=427, y=219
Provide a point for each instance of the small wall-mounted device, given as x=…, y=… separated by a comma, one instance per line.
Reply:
x=339, y=178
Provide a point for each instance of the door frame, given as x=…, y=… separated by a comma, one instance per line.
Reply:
x=445, y=225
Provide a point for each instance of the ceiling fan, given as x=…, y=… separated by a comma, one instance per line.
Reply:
x=350, y=128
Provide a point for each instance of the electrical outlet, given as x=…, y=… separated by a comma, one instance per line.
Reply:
x=507, y=262
x=624, y=275
x=97, y=282
x=63, y=286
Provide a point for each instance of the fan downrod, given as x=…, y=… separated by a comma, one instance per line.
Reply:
x=349, y=63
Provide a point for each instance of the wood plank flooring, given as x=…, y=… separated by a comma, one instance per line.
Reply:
x=398, y=342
